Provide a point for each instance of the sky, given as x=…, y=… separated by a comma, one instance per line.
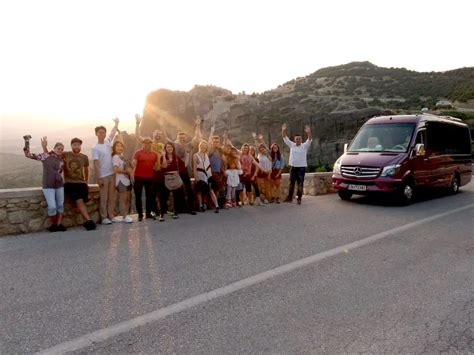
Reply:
x=68, y=63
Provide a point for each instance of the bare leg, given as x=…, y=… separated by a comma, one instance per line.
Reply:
x=214, y=198
x=81, y=206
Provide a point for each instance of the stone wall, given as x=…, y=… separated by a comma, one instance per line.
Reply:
x=24, y=210
x=314, y=184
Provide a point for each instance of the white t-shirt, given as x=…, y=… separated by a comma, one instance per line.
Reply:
x=118, y=162
x=103, y=153
x=298, y=152
x=264, y=162
x=233, y=177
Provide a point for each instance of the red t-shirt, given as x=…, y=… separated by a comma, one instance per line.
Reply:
x=145, y=163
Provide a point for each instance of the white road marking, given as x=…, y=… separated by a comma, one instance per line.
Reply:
x=159, y=314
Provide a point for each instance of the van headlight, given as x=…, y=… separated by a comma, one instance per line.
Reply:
x=337, y=167
x=390, y=170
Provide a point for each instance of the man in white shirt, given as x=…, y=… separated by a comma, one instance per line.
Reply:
x=104, y=171
x=297, y=162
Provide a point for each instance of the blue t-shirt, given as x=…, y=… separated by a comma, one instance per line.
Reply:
x=216, y=161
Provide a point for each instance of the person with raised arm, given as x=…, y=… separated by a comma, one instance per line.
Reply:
x=170, y=173
x=265, y=167
x=104, y=171
x=184, y=150
x=144, y=164
x=278, y=163
x=297, y=161
x=53, y=183
x=123, y=172
x=249, y=174
x=157, y=146
x=254, y=173
x=202, y=175
x=216, y=181
x=76, y=176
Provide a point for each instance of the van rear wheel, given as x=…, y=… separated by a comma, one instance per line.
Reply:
x=344, y=195
x=454, y=187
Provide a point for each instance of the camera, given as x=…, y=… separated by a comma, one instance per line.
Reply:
x=27, y=142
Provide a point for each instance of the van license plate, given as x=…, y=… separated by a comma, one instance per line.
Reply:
x=357, y=187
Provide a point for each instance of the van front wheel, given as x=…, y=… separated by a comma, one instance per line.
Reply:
x=405, y=193
x=344, y=195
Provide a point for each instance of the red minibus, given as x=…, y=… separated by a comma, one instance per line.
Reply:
x=398, y=154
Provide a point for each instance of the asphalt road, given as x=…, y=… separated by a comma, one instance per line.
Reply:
x=408, y=289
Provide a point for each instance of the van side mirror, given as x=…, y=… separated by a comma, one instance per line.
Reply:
x=345, y=147
x=420, y=150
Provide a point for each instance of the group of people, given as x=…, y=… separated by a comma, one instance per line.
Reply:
x=224, y=176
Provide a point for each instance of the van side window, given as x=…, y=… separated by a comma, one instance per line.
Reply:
x=445, y=138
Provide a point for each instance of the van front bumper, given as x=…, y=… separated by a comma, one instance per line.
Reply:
x=364, y=186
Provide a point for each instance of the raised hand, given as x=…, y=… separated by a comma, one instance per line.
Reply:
x=260, y=137
x=254, y=135
x=138, y=118
x=198, y=120
x=44, y=142
x=307, y=128
x=284, y=126
x=116, y=120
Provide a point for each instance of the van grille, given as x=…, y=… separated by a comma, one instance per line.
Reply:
x=359, y=171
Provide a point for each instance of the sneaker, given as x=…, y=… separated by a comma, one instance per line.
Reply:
x=150, y=216
x=266, y=202
x=140, y=217
x=52, y=228
x=61, y=228
x=288, y=200
x=216, y=210
x=258, y=202
x=175, y=216
x=127, y=219
x=106, y=221
x=278, y=200
x=298, y=201
x=201, y=209
x=118, y=219
x=162, y=218
x=204, y=206
x=193, y=213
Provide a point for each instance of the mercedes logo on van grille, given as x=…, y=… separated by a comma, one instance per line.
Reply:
x=357, y=171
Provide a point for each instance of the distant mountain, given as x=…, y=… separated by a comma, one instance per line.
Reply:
x=18, y=171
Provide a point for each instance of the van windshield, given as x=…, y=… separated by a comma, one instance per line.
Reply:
x=383, y=137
